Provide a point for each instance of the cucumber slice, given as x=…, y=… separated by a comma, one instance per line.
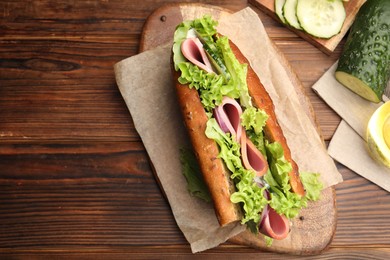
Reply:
x=289, y=13
x=217, y=62
x=279, y=9
x=321, y=18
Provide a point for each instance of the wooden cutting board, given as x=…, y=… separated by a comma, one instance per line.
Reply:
x=314, y=229
x=325, y=45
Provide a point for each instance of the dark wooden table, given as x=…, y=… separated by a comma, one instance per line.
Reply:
x=75, y=180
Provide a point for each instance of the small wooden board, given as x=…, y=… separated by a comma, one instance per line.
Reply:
x=325, y=45
x=314, y=229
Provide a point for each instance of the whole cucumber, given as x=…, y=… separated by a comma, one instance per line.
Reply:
x=364, y=65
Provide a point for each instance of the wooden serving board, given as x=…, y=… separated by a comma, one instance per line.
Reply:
x=325, y=45
x=313, y=230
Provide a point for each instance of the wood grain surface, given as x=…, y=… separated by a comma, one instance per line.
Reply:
x=75, y=181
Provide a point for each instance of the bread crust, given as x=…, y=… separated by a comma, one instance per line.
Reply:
x=215, y=174
x=272, y=130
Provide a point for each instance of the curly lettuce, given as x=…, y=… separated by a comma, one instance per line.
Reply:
x=191, y=171
x=236, y=70
x=283, y=200
x=312, y=184
x=211, y=86
x=248, y=193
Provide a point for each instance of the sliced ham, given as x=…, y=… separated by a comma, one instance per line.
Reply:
x=271, y=223
x=192, y=50
x=252, y=158
x=228, y=116
x=274, y=225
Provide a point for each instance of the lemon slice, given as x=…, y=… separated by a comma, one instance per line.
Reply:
x=378, y=134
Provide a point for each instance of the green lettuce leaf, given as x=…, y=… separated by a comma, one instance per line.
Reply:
x=236, y=70
x=253, y=118
x=205, y=27
x=211, y=87
x=286, y=203
x=248, y=193
x=312, y=184
x=229, y=149
x=192, y=173
x=179, y=36
x=283, y=201
x=278, y=164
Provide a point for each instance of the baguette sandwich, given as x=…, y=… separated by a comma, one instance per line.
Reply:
x=242, y=153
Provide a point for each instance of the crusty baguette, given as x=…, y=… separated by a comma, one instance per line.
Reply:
x=272, y=129
x=215, y=174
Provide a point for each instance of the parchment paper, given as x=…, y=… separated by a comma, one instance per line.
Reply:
x=147, y=88
x=348, y=145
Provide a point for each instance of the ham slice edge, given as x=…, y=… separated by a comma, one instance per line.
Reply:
x=228, y=116
x=192, y=49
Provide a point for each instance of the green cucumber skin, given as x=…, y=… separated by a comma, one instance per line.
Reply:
x=366, y=54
